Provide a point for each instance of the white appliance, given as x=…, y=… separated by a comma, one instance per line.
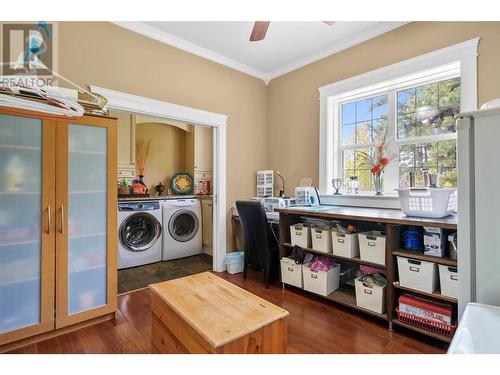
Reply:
x=139, y=233
x=478, y=331
x=307, y=195
x=478, y=208
x=182, y=232
x=272, y=203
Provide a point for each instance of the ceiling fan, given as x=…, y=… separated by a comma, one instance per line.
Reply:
x=260, y=29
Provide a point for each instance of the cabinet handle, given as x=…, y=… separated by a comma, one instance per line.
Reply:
x=48, y=219
x=62, y=220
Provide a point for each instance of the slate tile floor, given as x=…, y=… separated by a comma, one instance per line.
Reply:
x=130, y=279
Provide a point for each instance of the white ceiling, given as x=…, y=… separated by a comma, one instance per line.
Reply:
x=287, y=46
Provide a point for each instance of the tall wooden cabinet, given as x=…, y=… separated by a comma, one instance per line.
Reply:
x=57, y=223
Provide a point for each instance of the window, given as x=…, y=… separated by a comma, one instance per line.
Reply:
x=417, y=99
x=427, y=112
x=362, y=121
x=420, y=125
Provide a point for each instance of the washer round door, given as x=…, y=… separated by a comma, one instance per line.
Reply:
x=183, y=225
x=140, y=231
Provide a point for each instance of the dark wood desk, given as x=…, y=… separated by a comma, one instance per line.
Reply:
x=235, y=221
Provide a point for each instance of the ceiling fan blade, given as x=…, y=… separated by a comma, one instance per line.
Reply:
x=329, y=23
x=259, y=30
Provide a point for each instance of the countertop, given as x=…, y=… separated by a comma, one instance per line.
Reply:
x=384, y=215
x=165, y=197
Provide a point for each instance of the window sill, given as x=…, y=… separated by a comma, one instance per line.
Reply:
x=362, y=200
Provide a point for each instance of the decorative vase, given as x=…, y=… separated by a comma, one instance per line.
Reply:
x=379, y=184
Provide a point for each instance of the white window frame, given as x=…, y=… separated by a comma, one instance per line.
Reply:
x=391, y=174
x=457, y=60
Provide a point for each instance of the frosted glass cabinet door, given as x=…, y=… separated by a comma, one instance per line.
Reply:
x=24, y=224
x=87, y=214
x=83, y=220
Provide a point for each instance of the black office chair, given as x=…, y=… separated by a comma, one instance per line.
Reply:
x=261, y=246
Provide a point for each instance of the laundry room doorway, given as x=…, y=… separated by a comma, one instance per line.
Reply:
x=181, y=154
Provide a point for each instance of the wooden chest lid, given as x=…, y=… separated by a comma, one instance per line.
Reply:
x=218, y=310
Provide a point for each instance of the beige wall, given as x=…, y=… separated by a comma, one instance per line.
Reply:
x=293, y=105
x=167, y=154
x=107, y=55
x=268, y=127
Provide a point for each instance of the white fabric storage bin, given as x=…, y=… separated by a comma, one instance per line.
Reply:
x=300, y=235
x=372, y=247
x=291, y=273
x=322, y=239
x=417, y=274
x=321, y=282
x=345, y=244
x=370, y=297
x=448, y=278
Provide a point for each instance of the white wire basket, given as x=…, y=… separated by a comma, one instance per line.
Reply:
x=428, y=202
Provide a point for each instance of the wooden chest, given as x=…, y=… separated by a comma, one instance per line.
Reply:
x=203, y=313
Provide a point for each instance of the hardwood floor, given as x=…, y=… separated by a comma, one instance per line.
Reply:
x=315, y=326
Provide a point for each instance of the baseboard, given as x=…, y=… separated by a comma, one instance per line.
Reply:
x=207, y=250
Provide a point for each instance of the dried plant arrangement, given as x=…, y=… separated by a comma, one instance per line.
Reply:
x=142, y=148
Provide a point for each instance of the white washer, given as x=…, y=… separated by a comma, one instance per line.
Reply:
x=181, y=228
x=139, y=233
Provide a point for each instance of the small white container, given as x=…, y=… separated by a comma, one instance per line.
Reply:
x=300, y=235
x=372, y=247
x=322, y=239
x=448, y=278
x=370, y=297
x=321, y=282
x=291, y=273
x=345, y=244
x=417, y=274
x=235, y=262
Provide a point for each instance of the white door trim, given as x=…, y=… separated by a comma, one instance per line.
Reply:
x=146, y=106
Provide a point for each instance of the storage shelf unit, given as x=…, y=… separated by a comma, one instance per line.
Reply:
x=393, y=223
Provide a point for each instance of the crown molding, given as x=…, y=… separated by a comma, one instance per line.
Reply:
x=342, y=45
x=174, y=41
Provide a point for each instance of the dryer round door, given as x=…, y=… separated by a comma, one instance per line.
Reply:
x=183, y=225
x=140, y=231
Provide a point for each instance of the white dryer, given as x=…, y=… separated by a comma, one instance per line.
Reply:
x=182, y=233
x=139, y=233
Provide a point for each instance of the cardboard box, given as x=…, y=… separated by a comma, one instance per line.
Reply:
x=434, y=242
